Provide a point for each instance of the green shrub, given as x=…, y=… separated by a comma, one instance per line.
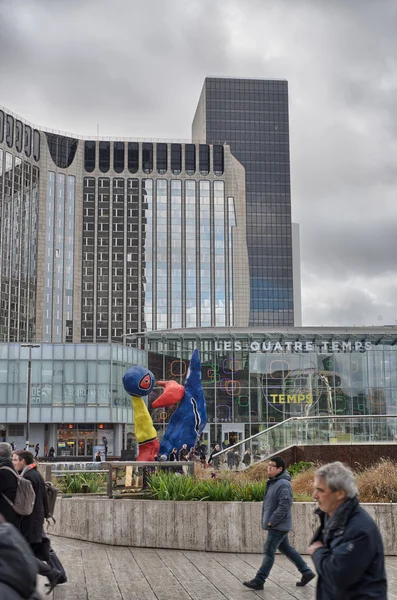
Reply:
x=298, y=467
x=71, y=483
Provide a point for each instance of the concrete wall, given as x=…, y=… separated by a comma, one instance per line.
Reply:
x=204, y=526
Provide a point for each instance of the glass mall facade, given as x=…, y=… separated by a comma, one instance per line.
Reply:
x=254, y=378
x=76, y=396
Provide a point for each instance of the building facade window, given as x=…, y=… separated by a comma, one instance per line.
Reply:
x=1, y=126
x=118, y=157
x=162, y=158
x=18, y=136
x=104, y=156
x=133, y=157
x=36, y=145
x=10, y=131
x=89, y=156
x=204, y=159
x=28, y=141
x=147, y=157
x=190, y=159
x=218, y=159
x=176, y=159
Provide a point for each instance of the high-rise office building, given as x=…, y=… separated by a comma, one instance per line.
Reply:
x=251, y=115
x=104, y=238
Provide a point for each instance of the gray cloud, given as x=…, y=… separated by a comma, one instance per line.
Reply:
x=137, y=69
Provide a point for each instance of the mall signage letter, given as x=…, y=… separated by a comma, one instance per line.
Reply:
x=287, y=347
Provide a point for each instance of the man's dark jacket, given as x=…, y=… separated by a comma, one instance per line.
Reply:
x=351, y=564
x=32, y=525
x=8, y=487
x=277, y=503
x=18, y=566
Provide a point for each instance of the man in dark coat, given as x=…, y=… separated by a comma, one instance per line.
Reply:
x=18, y=568
x=32, y=526
x=347, y=549
x=277, y=520
x=8, y=485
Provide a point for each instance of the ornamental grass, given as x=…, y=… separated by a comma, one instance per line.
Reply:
x=377, y=483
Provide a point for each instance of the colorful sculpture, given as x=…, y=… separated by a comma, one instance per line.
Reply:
x=186, y=423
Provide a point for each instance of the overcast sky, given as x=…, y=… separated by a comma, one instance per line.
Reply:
x=136, y=67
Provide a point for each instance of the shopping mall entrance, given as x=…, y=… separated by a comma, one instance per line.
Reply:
x=79, y=439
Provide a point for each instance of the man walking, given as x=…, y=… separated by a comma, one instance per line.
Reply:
x=32, y=526
x=347, y=548
x=277, y=521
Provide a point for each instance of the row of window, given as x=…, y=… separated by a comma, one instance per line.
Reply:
x=168, y=157
x=19, y=136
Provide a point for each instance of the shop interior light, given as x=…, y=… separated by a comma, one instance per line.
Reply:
x=100, y=426
x=70, y=426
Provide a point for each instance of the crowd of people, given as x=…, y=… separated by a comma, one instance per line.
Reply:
x=22, y=533
x=199, y=454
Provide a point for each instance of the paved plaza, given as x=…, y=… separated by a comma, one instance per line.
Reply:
x=99, y=572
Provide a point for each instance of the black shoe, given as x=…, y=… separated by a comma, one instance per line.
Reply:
x=62, y=579
x=254, y=584
x=54, y=577
x=305, y=579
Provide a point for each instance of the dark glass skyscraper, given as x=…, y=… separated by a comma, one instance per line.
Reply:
x=251, y=115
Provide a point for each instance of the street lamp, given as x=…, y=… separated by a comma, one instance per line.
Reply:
x=30, y=346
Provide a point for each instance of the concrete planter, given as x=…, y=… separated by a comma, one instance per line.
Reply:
x=204, y=526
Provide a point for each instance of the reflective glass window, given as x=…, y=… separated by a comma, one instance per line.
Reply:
x=89, y=156
x=9, y=131
x=147, y=157
x=1, y=126
x=104, y=156
x=190, y=159
x=218, y=160
x=176, y=253
x=161, y=158
x=133, y=157
x=176, y=158
x=27, y=140
x=36, y=145
x=190, y=243
x=118, y=157
x=205, y=254
x=18, y=136
x=204, y=159
x=147, y=242
x=62, y=149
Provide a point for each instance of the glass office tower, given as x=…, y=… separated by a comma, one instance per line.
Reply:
x=251, y=115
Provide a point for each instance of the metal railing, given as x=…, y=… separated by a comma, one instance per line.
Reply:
x=122, y=477
x=314, y=431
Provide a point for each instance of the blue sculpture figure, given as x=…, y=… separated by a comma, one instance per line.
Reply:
x=188, y=421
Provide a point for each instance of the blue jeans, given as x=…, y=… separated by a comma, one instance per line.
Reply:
x=278, y=540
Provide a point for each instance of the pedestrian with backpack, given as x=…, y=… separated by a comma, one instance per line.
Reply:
x=8, y=485
x=32, y=526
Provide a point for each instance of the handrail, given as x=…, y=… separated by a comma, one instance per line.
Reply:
x=309, y=418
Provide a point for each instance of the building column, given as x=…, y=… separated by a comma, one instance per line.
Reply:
x=118, y=439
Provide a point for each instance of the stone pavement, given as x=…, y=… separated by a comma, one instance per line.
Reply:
x=99, y=572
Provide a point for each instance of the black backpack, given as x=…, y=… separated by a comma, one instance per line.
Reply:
x=50, y=497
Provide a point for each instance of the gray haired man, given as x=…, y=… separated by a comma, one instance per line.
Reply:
x=347, y=548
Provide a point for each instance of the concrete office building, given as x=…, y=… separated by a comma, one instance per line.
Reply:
x=104, y=238
x=251, y=116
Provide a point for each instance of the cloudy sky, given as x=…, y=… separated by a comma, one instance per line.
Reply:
x=136, y=68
